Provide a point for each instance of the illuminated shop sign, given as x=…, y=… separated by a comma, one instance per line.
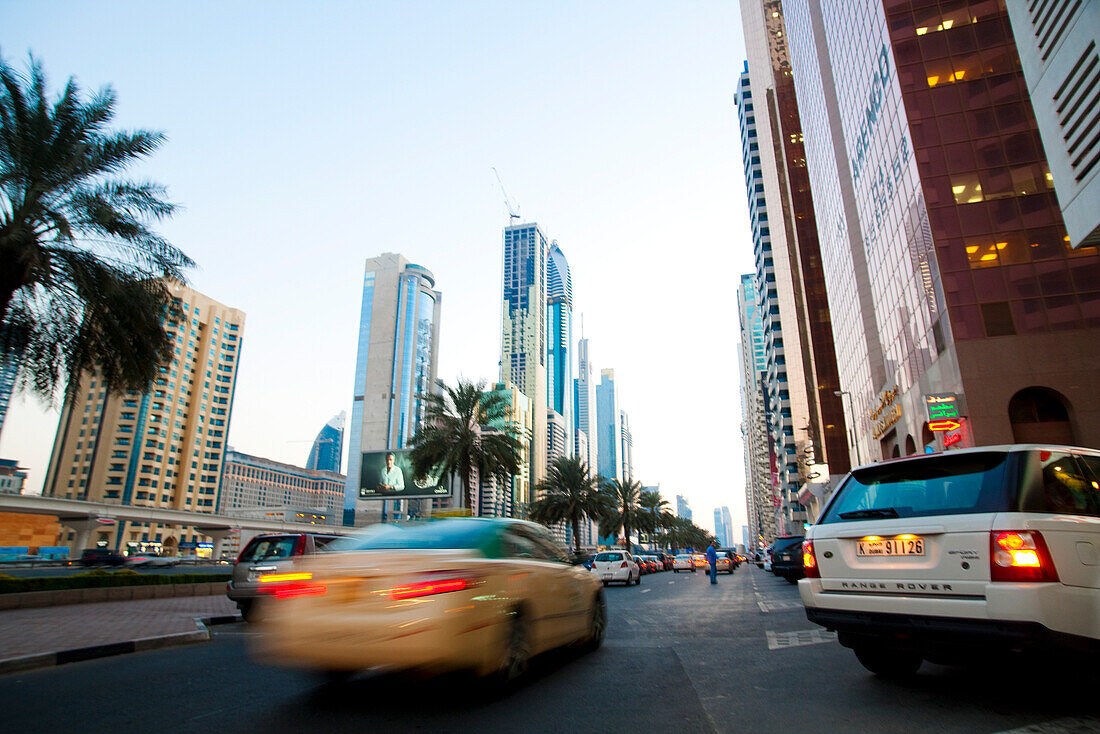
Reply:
x=942, y=405
x=887, y=412
x=944, y=425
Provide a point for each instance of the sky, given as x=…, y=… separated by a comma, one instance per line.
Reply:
x=304, y=138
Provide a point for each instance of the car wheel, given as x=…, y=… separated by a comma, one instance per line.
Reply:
x=247, y=608
x=888, y=663
x=517, y=654
x=597, y=625
x=605, y=583
x=792, y=579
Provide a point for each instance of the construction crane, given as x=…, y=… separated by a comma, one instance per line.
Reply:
x=513, y=208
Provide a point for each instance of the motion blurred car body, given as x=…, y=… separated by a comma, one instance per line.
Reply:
x=463, y=593
x=683, y=562
x=960, y=556
x=268, y=554
x=152, y=561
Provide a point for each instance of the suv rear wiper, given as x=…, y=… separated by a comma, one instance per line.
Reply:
x=864, y=514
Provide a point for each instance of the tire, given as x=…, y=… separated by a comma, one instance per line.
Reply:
x=792, y=579
x=597, y=625
x=247, y=608
x=891, y=664
x=605, y=583
x=517, y=651
x=676, y=570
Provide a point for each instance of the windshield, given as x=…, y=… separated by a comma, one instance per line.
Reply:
x=941, y=485
x=437, y=535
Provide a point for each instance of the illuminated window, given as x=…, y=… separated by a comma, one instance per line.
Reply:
x=967, y=188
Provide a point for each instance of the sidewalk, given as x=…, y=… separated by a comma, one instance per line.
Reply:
x=32, y=638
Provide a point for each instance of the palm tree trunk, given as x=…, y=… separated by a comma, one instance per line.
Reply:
x=577, y=534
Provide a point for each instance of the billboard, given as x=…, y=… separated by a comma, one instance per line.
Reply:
x=382, y=477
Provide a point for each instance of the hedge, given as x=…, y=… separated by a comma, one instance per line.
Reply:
x=100, y=579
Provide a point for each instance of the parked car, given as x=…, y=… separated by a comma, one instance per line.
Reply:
x=960, y=555
x=683, y=562
x=269, y=554
x=484, y=594
x=787, y=558
x=655, y=564
x=101, y=557
x=612, y=566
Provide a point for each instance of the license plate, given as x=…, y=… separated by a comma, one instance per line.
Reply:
x=909, y=546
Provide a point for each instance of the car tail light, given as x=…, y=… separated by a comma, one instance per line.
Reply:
x=300, y=546
x=623, y=565
x=287, y=585
x=809, y=560
x=1020, y=556
x=434, y=584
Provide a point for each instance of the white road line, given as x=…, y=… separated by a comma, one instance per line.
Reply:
x=672, y=582
x=782, y=640
x=646, y=591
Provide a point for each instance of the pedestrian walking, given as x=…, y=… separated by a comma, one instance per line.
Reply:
x=712, y=559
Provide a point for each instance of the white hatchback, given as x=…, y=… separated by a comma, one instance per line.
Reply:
x=945, y=556
x=620, y=566
x=683, y=562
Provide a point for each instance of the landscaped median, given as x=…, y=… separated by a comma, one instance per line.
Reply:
x=98, y=586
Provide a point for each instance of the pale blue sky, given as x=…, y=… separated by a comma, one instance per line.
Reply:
x=307, y=137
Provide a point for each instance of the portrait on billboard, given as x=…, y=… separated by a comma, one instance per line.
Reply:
x=385, y=474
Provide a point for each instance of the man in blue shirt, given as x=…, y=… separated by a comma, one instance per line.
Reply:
x=712, y=559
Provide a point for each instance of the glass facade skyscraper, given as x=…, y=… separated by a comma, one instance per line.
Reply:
x=949, y=270
x=762, y=497
x=394, y=367
x=328, y=447
x=559, y=364
x=608, y=427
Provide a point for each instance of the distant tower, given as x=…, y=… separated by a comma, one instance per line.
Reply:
x=523, y=360
x=328, y=448
x=608, y=427
x=395, y=366
x=559, y=365
x=584, y=412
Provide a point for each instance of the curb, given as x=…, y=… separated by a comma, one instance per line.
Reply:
x=76, y=655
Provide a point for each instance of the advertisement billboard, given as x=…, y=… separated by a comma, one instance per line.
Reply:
x=389, y=475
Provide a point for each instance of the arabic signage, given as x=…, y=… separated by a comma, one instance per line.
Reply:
x=942, y=405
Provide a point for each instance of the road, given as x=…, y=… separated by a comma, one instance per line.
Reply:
x=680, y=656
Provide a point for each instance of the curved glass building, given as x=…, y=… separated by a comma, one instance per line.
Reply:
x=327, y=450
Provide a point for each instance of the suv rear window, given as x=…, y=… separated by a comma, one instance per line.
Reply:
x=1060, y=482
x=269, y=549
x=942, y=485
x=608, y=557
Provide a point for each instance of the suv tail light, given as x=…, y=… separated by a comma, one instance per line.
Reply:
x=300, y=546
x=809, y=560
x=1020, y=556
x=287, y=585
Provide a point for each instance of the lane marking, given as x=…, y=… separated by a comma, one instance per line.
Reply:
x=783, y=640
x=778, y=605
x=646, y=591
x=672, y=582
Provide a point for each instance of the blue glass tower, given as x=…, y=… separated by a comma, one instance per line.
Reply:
x=559, y=358
x=328, y=447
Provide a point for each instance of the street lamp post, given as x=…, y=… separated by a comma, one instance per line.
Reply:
x=850, y=411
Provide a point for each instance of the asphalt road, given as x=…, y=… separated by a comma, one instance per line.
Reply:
x=680, y=656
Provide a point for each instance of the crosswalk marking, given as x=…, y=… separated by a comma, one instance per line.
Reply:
x=783, y=640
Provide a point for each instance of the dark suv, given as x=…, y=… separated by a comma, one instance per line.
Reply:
x=787, y=558
x=266, y=554
x=100, y=557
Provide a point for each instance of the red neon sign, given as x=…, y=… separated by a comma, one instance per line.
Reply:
x=952, y=439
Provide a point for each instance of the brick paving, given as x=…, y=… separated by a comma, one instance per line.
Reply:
x=53, y=629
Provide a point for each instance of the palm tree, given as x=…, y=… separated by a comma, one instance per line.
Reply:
x=683, y=533
x=82, y=276
x=569, y=493
x=466, y=428
x=623, y=496
x=654, y=516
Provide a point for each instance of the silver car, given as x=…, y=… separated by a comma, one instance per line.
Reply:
x=266, y=555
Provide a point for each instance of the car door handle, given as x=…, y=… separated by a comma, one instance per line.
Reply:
x=264, y=568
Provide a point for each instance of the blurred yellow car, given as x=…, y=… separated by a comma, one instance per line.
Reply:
x=482, y=594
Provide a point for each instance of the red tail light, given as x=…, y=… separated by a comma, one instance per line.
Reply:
x=298, y=588
x=1020, y=556
x=624, y=565
x=809, y=560
x=300, y=546
x=428, y=588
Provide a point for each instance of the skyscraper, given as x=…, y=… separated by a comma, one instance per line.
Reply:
x=395, y=366
x=585, y=411
x=608, y=427
x=683, y=508
x=762, y=497
x=806, y=416
x=949, y=268
x=559, y=358
x=626, y=447
x=328, y=447
x=727, y=527
x=507, y=497
x=720, y=527
x=524, y=329
x=164, y=447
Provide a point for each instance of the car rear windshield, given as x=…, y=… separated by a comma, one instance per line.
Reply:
x=784, y=543
x=1060, y=482
x=943, y=485
x=269, y=549
x=439, y=535
x=608, y=557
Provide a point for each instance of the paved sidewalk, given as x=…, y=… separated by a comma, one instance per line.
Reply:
x=34, y=637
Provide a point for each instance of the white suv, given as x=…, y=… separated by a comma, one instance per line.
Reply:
x=937, y=557
x=616, y=566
